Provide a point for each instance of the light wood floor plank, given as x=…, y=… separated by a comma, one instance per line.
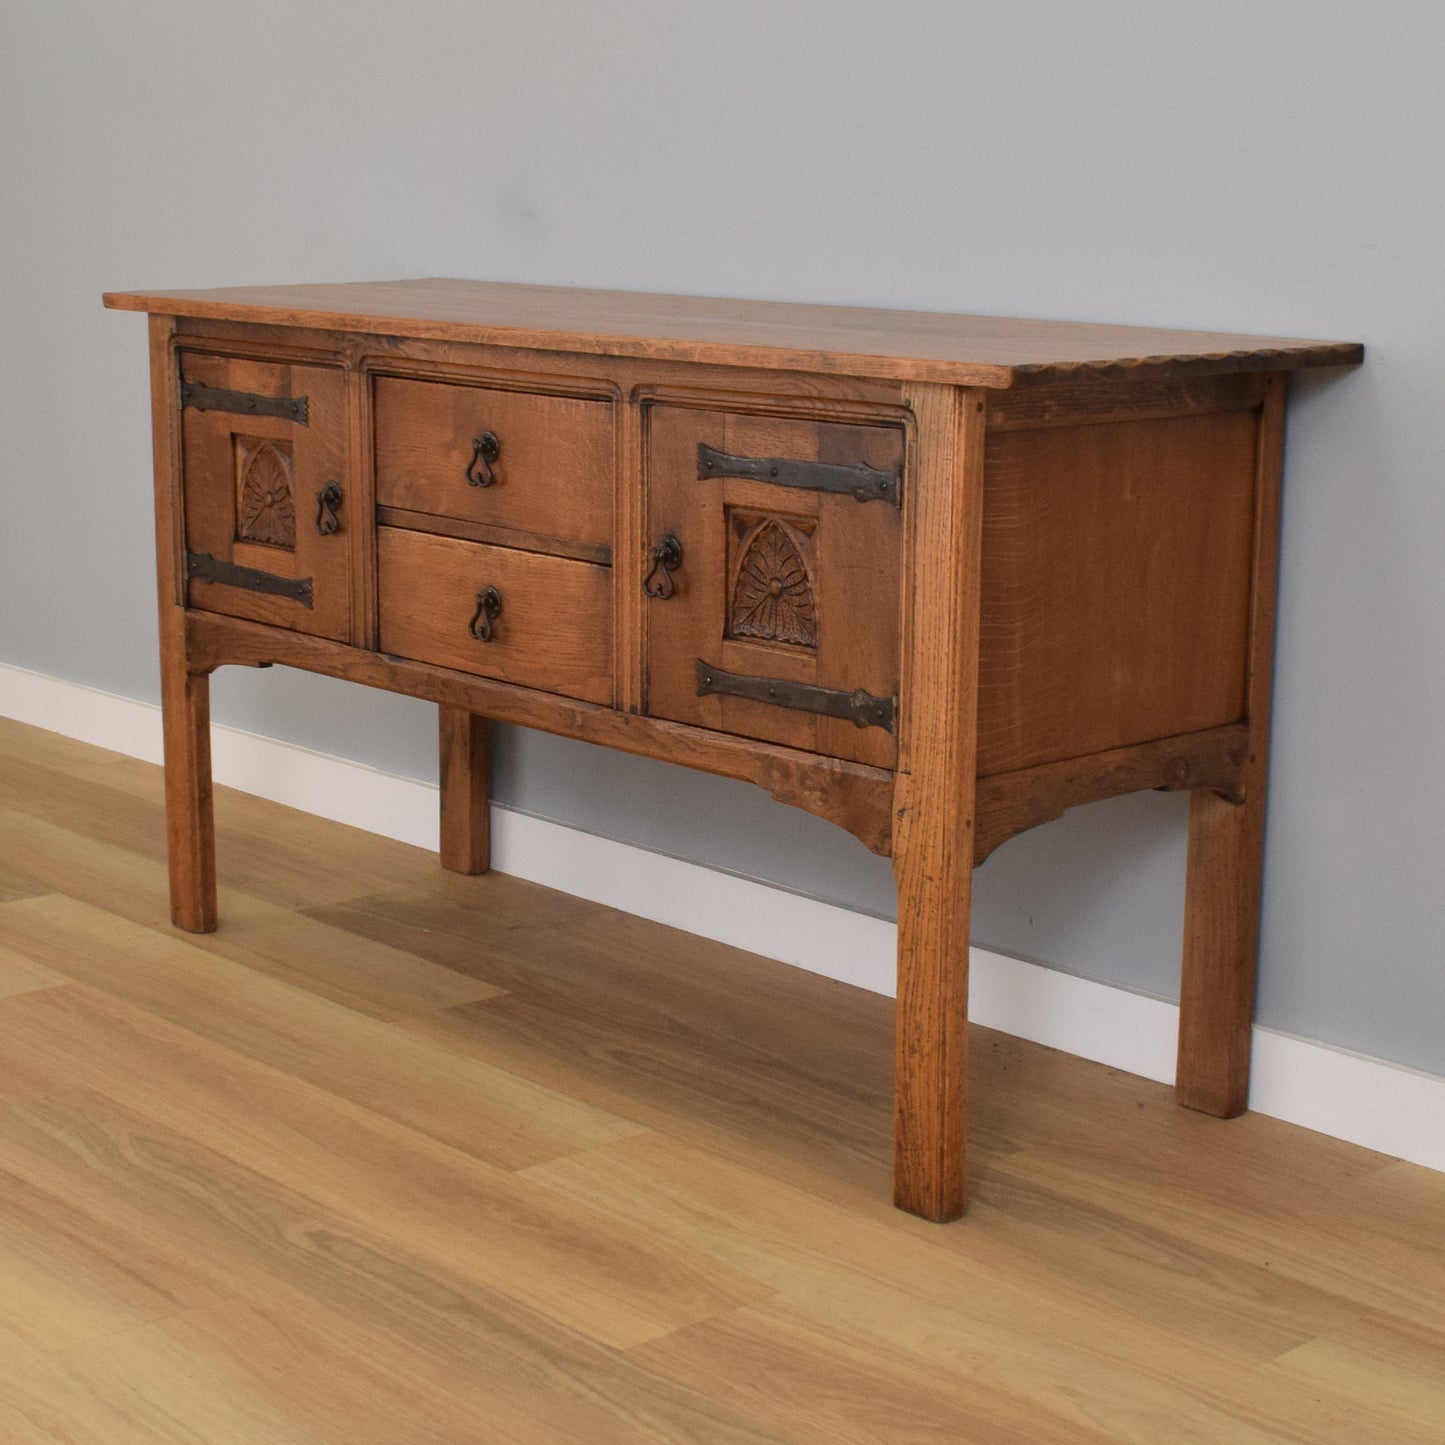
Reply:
x=283, y=1371
x=367, y=1289
x=797, y=1371
x=399, y=1155
x=276, y=853
x=46, y=1400
x=14, y=884
x=247, y=824
x=1378, y=1375
x=1329, y=1238
x=1096, y=1274
x=1086, y=1391
x=557, y=947
x=19, y=974
x=327, y=1379
x=741, y=1074
x=20, y=743
x=66, y=1277
x=745, y=1103
x=365, y=976
x=1077, y=1350
x=43, y=857
x=265, y=936
x=467, y=1103
x=498, y=1231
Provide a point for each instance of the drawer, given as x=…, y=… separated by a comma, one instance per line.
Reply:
x=782, y=620
x=265, y=488
x=533, y=468
x=548, y=625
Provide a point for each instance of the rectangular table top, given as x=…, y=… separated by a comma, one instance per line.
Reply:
x=839, y=340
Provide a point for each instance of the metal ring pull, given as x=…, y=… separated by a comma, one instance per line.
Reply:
x=666, y=559
x=328, y=503
x=485, y=450
x=489, y=608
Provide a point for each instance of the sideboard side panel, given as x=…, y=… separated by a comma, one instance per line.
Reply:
x=1116, y=584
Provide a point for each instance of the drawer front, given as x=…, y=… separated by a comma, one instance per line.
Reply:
x=522, y=617
x=265, y=484
x=538, y=467
x=781, y=620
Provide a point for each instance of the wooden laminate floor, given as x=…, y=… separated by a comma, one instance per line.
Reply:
x=397, y=1156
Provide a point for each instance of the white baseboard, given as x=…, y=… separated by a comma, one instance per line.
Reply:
x=1367, y=1101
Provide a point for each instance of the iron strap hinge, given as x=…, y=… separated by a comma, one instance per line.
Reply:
x=202, y=567
x=858, y=707
x=247, y=403
x=868, y=484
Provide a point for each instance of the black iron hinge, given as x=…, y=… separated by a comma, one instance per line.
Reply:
x=858, y=707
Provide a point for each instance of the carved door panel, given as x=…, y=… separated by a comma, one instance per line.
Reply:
x=779, y=619
x=263, y=462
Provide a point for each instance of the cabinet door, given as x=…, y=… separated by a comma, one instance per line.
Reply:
x=780, y=619
x=263, y=459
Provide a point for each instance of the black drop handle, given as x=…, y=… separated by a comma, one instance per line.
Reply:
x=485, y=450
x=666, y=559
x=489, y=608
x=328, y=503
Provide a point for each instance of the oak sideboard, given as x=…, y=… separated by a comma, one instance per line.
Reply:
x=935, y=578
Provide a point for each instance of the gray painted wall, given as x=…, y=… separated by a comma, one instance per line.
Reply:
x=1240, y=166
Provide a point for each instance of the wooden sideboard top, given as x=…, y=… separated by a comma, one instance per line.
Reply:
x=840, y=340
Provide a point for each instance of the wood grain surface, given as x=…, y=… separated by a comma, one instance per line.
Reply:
x=1225, y=868
x=466, y=794
x=1061, y=587
x=855, y=796
x=317, y=454
x=553, y=474
x=934, y=804
x=1008, y=803
x=851, y=341
x=400, y=1157
x=554, y=629
x=845, y=558
x=185, y=697
x=1116, y=566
